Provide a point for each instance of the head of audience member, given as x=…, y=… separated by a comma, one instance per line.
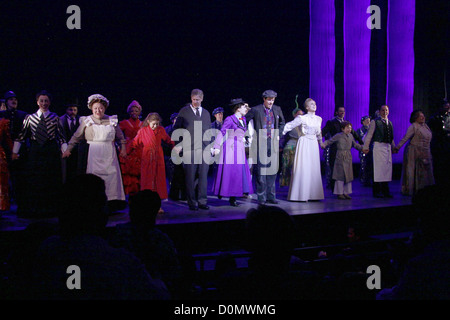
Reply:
x=340, y=113
x=346, y=127
x=153, y=120
x=431, y=207
x=134, y=110
x=43, y=100
x=269, y=98
x=270, y=231
x=11, y=100
x=417, y=116
x=143, y=208
x=218, y=114
x=196, y=98
x=83, y=206
x=98, y=104
x=71, y=110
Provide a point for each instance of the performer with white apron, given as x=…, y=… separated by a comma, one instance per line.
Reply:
x=381, y=133
x=101, y=132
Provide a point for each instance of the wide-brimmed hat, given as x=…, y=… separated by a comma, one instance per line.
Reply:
x=234, y=102
x=96, y=97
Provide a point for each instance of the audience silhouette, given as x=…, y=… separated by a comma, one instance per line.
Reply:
x=105, y=273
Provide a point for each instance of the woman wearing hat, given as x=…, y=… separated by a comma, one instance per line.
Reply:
x=101, y=132
x=233, y=175
x=131, y=165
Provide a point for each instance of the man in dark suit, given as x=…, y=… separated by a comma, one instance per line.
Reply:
x=268, y=123
x=196, y=120
x=331, y=128
x=16, y=168
x=70, y=122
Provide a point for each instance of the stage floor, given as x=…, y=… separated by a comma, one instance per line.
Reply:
x=177, y=212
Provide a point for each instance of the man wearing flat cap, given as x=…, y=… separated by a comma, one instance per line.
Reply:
x=268, y=123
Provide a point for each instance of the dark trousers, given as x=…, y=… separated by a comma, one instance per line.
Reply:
x=265, y=184
x=380, y=188
x=196, y=176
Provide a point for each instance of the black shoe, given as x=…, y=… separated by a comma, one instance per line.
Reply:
x=233, y=203
x=388, y=195
x=378, y=195
x=219, y=197
x=203, y=206
x=273, y=201
x=193, y=208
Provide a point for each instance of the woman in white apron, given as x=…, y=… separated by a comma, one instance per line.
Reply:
x=101, y=132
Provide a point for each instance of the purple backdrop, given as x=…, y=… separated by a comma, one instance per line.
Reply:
x=400, y=66
x=322, y=56
x=356, y=63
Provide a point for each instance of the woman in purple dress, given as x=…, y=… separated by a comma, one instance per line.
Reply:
x=233, y=175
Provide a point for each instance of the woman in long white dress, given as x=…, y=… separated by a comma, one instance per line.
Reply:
x=101, y=132
x=306, y=178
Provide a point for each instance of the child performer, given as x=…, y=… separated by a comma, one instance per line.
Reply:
x=149, y=137
x=343, y=166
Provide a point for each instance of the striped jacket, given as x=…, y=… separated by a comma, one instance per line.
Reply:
x=54, y=128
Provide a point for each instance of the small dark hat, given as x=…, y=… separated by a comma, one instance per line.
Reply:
x=9, y=95
x=269, y=94
x=234, y=102
x=364, y=118
x=217, y=110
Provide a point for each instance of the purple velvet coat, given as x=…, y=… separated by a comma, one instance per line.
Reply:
x=233, y=175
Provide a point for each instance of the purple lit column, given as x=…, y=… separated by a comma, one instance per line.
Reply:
x=322, y=56
x=356, y=63
x=400, y=66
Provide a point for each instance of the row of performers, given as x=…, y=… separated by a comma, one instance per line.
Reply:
x=140, y=162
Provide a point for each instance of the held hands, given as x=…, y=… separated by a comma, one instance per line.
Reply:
x=322, y=145
x=14, y=156
x=395, y=150
x=123, y=153
x=215, y=152
x=365, y=151
x=66, y=154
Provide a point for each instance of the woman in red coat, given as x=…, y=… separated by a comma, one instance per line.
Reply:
x=149, y=137
x=5, y=140
x=131, y=165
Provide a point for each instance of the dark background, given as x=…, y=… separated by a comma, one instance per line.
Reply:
x=157, y=51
